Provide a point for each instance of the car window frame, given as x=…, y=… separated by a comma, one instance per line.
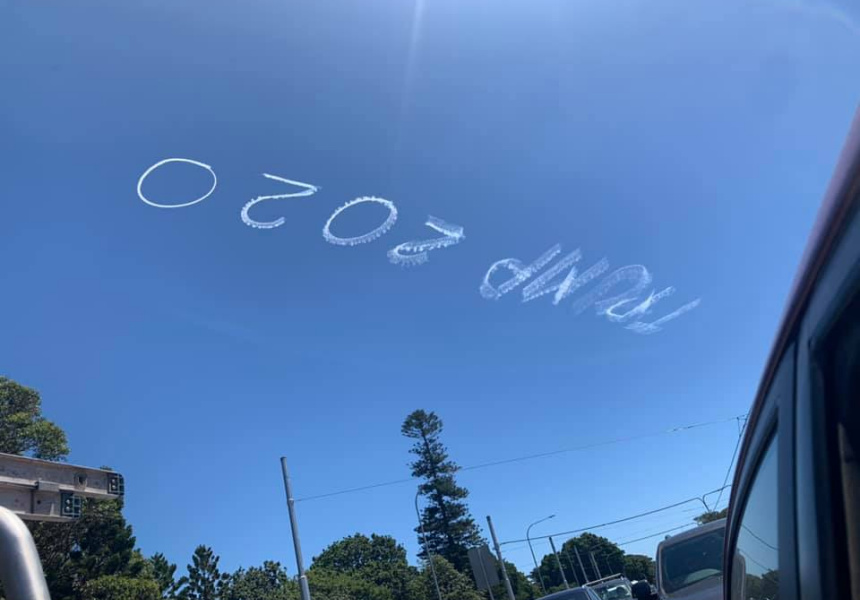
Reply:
x=775, y=422
x=822, y=538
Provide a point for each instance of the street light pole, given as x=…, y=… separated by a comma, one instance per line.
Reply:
x=529, y=540
x=291, y=508
x=558, y=561
x=426, y=547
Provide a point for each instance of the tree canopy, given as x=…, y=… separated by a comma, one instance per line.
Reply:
x=639, y=566
x=377, y=559
x=711, y=515
x=23, y=429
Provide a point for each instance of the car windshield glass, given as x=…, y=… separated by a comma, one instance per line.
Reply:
x=615, y=591
x=692, y=560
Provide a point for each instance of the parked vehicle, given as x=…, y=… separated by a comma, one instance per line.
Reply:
x=580, y=593
x=794, y=518
x=615, y=587
x=690, y=564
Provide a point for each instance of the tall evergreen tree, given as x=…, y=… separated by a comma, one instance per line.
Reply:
x=205, y=580
x=164, y=573
x=450, y=529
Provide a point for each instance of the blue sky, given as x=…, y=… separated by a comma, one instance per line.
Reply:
x=190, y=351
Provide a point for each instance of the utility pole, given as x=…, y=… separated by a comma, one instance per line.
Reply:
x=303, y=579
x=558, y=561
x=508, y=587
x=608, y=566
x=596, y=568
x=426, y=547
x=579, y=560
x=570, y=562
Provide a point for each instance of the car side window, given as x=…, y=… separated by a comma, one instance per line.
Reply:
x=755, y=567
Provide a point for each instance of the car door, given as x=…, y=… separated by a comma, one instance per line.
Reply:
x=828, y=397
x=793, y=522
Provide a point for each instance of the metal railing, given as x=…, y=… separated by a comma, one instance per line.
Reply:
x=20, y=569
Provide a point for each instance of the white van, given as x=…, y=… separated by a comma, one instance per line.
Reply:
x=690, y=564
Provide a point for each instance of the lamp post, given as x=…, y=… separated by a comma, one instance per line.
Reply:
x=426, y=547
x=528, y=539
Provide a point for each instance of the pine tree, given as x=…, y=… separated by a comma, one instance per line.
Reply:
x=164, y=574
x=450, y=529
x=205, y=581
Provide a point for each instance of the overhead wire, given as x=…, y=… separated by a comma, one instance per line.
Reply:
x=648, y=537
x=601, y=525
x=741, y=430
x=522, y=458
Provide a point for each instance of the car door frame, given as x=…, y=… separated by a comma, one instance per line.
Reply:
x=822, y=545
x=790, y=402
x=774, y=417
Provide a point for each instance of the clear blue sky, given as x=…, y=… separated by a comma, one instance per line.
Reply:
x=190, y=351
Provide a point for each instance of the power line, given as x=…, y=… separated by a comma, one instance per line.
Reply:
x=525, y=458
x=734, y=455
x=601, y=525
x=648, y=537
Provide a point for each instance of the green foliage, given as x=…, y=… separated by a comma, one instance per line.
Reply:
x=609, y=557
x=163, y=573
x=762, y=587
x=326, y=584
x=117, y=587
x=269, y=582
x=205, y=581
x=639, y=566
x=450, y=529
x=711, y=515
x=23, y=429
x=522, y=586
x=377, y=559
x=452, y=583
x=99, y=544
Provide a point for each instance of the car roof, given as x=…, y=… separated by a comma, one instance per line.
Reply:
x=691, y=533
x=566, y=594
x=839, y=200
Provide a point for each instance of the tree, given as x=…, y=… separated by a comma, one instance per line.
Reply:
x=452, y=583
x=326, y=584
x=117, y=587
x=711, y=515
x=269, y=582
x=205, y=581
x=522, y=586
x=100, y=543
x=377, y=559
x=609, y=557
x=164, y=575
x=450, y=529
x=23, y=429
x=639, y=566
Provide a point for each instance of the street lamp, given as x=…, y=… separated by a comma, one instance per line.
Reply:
x=426, y=547
x=528, y=539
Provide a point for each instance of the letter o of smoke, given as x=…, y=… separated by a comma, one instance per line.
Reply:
x=367, y=237
x=170, y=160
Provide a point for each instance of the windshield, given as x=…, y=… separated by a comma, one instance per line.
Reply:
x=449, y=259
x=693, y=560
x=614, y=591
